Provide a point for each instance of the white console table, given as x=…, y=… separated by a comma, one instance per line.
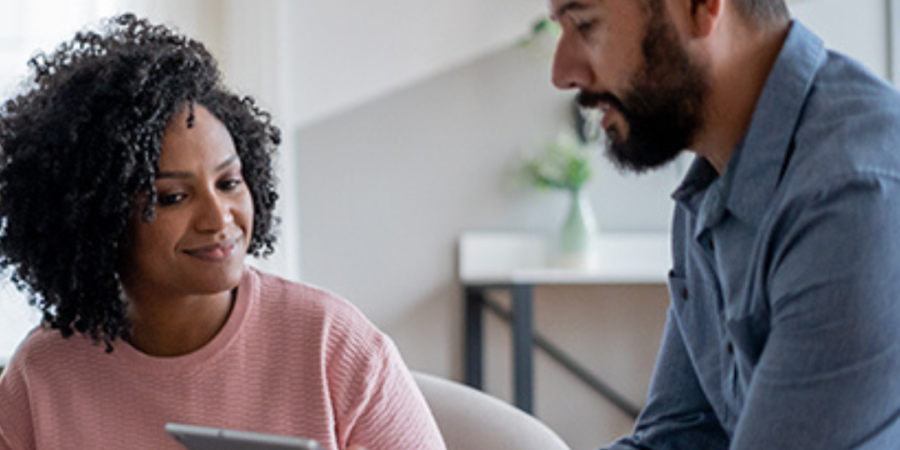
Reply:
x=516, y=262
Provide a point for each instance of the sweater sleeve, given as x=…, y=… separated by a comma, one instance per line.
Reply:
x=16, y=429
x=377, y=403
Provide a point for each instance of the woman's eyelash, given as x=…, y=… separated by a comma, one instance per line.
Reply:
x=230, y=184
x=177, y=197
x=170, y=199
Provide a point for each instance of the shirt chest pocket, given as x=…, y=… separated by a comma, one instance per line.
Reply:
x=698, y=305
x=713, y=322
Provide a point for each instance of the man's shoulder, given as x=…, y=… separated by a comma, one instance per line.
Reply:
x=844, y=96
x=850, y=126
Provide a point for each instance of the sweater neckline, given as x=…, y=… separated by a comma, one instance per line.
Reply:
x=142, y=362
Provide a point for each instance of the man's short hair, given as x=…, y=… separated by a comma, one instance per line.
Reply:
x=756, y=12
x=762, y=12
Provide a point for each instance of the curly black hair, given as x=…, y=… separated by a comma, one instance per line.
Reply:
x=82, y=142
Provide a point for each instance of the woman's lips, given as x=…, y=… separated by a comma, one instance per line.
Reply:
x=214, y=253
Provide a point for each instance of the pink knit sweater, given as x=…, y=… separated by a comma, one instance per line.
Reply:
x=290, y=360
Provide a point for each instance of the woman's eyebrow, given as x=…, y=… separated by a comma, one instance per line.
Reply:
x=231, y=160
x=182, y=175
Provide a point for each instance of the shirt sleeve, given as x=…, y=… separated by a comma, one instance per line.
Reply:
x=829, y=372
x=677, y=415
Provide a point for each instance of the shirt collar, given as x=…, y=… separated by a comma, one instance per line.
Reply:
x=753, y=172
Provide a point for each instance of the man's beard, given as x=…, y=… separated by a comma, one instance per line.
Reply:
x=664, y=106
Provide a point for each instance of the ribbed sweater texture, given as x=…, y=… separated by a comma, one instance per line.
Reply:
x=291, y=359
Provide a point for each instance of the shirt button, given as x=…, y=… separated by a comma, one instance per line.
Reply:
x=730, y=348
x=684, y=293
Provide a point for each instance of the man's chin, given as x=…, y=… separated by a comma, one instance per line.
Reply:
x=632, y=157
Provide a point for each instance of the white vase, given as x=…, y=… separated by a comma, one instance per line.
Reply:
x=576, y=246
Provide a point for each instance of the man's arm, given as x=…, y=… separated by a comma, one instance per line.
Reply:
x=677, y=415
x=829, y=374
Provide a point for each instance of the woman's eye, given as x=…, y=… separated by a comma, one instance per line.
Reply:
x=170, y=199
x=230, y=184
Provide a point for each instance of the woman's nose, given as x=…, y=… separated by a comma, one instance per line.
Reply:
x=214, y=214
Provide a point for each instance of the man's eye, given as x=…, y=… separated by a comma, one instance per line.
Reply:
x=231, y=184
x=585, y=27
x=170, y=199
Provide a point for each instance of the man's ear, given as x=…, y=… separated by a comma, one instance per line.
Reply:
x=704, y=16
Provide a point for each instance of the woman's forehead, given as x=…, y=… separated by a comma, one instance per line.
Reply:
x=195, y=136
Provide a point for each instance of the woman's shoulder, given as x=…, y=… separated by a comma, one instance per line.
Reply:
x=305, y=302
x=275, y=290
x=44, y=347
x=40, y=341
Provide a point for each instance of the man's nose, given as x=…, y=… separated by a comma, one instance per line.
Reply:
x=571, y=68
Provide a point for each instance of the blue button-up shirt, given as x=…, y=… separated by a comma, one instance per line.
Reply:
x=784, y=325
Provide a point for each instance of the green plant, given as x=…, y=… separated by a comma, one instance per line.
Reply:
x=564, y=163
x=540, y=27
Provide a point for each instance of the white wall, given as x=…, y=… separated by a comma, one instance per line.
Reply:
x=344, y=53
x=857, y=28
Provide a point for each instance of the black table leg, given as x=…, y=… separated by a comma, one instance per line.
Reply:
x=524, y=337
x=474, y=337
x=523, y=359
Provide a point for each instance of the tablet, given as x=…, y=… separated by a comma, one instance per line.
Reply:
x=204, y=438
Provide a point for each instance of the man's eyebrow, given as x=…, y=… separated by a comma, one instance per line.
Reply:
x=165, y=175
x=572, y=5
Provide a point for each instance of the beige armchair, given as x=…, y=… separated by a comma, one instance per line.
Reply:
x=472, y=420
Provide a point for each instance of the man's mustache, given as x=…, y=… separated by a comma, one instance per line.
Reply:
x=589, y=99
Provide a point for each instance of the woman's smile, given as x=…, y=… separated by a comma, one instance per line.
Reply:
x=215, y=252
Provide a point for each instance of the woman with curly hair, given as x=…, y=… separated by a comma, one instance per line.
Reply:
x=132, y=186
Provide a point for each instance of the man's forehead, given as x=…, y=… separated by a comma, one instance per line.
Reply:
x=559, y=7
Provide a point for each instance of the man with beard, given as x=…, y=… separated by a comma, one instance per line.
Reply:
x=784, y=325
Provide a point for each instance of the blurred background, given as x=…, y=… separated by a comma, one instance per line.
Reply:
x=403, y=123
